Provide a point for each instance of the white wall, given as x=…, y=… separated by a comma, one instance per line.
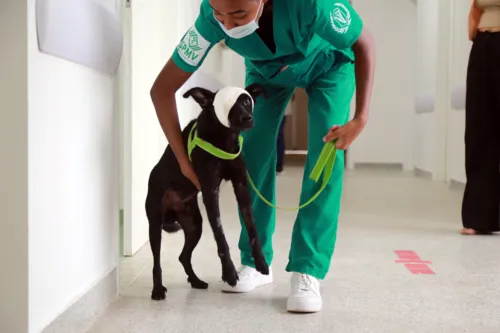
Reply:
x=154, y=29
x=73, y=188
x=152, y=38
x=124, y=103
x=14, y=167
x=460, y=48
x=387, y=137
x=234, y=68
x=425, y=89
x=443, y=51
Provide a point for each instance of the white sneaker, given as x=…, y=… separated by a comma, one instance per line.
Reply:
x=249, y=279
x=305, y=296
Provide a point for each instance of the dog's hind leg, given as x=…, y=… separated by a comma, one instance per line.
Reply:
x=192, y=224
x=155, y=229
x=159, y=291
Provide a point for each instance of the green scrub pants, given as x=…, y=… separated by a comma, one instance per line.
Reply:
x=330, y=86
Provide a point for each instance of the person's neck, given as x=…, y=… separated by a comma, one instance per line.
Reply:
x=268, y=7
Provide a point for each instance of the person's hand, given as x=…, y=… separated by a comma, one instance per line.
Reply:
x=346, y=134
x=188, y=172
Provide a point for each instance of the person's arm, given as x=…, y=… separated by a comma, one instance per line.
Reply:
x=170, y=79
x=474, y=18
x=339, y=24
x=364, y=51
x=186, y=59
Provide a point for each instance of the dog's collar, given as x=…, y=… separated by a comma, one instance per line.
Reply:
x=195, y=141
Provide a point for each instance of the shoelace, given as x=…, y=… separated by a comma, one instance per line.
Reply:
x=245, y=271
x=305, y=282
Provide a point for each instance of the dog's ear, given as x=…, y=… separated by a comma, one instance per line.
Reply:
x=202, y=96
x=255, y=90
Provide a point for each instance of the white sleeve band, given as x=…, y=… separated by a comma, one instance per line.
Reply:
x=193, y=47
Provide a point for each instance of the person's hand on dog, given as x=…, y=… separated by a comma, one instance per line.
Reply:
x=188, y=172
x=346, y=134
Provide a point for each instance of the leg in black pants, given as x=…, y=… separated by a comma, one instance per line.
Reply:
x=481, y=202
x=280, y=143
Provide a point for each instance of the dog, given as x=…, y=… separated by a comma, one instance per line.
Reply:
x=172, y=199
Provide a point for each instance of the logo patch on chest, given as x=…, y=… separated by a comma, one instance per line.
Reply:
x=193, y=47
x=340, y=18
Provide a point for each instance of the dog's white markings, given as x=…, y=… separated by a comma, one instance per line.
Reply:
x=224, y=100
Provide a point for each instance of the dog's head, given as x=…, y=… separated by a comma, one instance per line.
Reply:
x=233, y=106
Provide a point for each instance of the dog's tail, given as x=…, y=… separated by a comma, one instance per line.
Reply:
x=171, y=227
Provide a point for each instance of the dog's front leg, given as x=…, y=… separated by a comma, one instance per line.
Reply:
x=211, y=201
x=244, y=200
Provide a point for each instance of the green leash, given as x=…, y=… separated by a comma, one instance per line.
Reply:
x=324, y=165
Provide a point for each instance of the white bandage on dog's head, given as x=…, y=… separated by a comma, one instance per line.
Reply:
x=224, y=101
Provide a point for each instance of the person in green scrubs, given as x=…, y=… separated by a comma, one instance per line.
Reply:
x=319, y=45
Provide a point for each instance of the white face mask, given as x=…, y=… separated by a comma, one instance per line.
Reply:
x=243, y=30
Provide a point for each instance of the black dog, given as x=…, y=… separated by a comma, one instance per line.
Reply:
x=172, y=203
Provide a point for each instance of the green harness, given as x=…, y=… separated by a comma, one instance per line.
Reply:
x=324, y=165
x=194, y=140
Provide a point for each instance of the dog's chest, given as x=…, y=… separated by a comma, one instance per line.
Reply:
x=227, y=172
x=232, y=170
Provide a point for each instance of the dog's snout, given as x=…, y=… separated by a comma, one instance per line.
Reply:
x=241, y=120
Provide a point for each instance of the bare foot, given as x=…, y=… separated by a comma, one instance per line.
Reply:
x=468, y=231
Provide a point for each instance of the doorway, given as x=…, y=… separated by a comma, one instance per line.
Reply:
x=296, y=130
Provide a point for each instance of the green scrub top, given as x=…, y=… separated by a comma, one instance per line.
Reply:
x=302, y=29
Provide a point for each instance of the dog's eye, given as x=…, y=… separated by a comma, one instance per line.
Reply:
x=246, y=102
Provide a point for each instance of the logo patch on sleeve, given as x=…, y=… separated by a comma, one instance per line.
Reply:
x=193, y=47
x=340, y=17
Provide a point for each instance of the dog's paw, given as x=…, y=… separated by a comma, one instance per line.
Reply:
x=159, y=294
x=197, y=283
x=229, y=275
x=261, y=265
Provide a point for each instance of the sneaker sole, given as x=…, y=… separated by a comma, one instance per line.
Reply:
x=240, y=290
x=295, y=306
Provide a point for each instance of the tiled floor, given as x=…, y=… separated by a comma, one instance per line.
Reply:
x=366, y=290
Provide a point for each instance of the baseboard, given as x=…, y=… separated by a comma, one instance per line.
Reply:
x=457, y=185
x=78, y=317
x=299, y=157
x=295, y=159
x=379, y=166
x=421, y=173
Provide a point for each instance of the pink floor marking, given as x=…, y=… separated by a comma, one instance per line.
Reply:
x=413, y=263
